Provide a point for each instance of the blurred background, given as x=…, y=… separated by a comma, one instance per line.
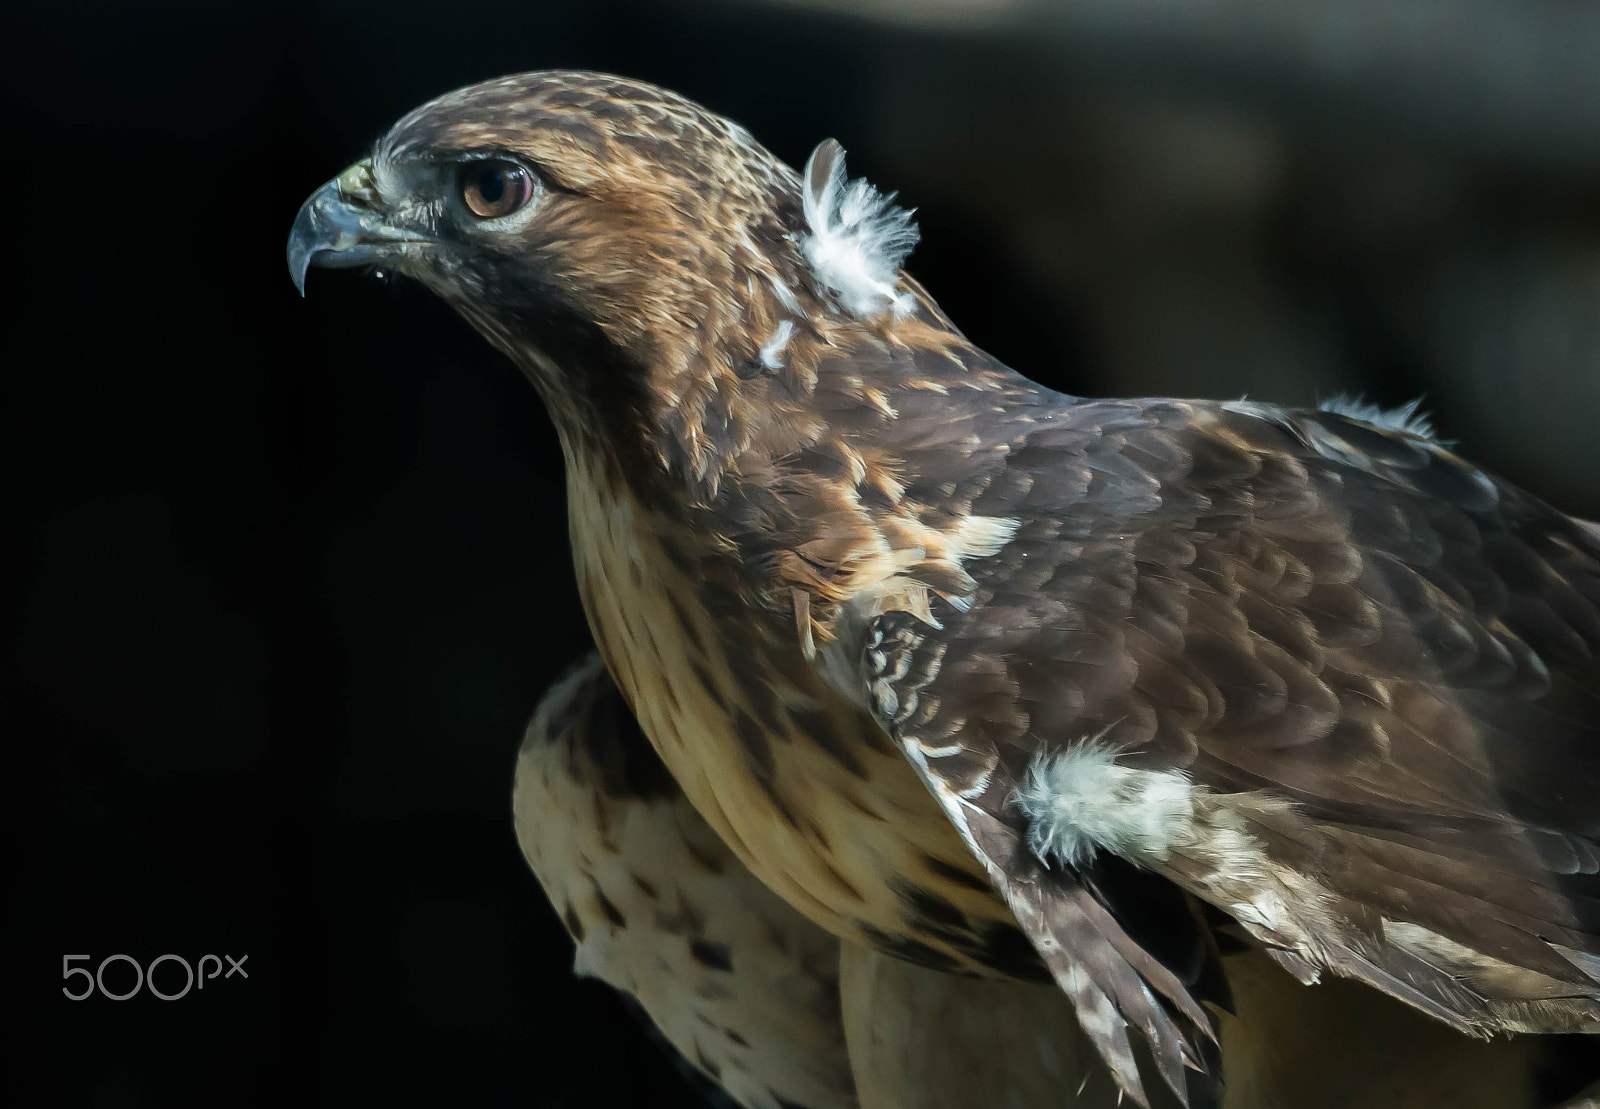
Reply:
x=290, y=575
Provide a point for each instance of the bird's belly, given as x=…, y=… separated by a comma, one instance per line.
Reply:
x=802, y=786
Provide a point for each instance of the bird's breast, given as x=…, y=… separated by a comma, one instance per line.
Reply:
x=803, y=786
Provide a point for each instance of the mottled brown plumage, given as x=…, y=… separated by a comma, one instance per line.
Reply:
x=1321, y=674
x=744, y=987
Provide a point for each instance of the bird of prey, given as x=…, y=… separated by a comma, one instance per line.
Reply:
x=993, y=678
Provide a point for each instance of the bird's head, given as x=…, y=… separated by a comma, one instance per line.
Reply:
x=637, y=255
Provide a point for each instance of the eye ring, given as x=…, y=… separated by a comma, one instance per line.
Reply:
x=494, y=187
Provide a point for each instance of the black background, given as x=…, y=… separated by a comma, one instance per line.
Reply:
x=291, y=574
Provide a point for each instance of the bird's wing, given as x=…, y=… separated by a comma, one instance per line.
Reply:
x=742, y=985
x=1326, y=676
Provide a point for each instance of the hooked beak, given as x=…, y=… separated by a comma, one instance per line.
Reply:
x=341, y=226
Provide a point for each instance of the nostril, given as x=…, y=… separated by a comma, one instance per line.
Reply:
x=356, y=186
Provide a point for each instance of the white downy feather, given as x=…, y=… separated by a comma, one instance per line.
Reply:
x=1082, y=800
x=858, y=237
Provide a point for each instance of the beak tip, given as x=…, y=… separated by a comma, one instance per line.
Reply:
x=303, y=246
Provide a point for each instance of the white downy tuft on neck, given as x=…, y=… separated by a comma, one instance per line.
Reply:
x=858, y=237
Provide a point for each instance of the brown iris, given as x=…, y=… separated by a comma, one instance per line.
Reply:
x=495, y=187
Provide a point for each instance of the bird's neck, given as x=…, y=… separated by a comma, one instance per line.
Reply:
x=742, y=404
x=803, y=455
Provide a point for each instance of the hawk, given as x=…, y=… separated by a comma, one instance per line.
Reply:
x=996, y=679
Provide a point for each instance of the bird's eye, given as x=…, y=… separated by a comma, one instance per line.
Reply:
x=494, y=188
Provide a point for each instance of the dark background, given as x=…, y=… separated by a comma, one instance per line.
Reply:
x=290, y=575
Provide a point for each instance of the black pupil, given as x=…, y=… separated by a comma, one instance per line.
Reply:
x=492, y=185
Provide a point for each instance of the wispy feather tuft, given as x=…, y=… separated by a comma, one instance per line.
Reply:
x=1082, y=800
x=858, y=237
x=1408, y=418
x=771, y=355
